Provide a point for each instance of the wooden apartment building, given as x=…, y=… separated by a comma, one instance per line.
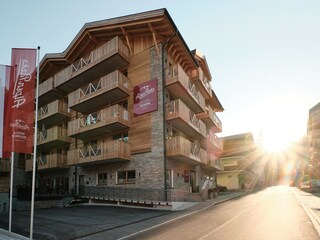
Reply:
x=96, y=141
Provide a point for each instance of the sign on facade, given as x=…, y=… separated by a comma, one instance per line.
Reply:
x=145, y=97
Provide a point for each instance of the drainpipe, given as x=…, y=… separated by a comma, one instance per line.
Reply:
x=164, y=116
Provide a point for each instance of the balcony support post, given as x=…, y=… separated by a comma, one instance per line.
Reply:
x=164, y=113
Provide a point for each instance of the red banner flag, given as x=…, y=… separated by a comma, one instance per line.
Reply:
x=19, y=109
x=4, y=87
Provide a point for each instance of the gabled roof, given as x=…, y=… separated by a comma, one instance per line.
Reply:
x=157, y=23
x=315, y=108
x=238, y=145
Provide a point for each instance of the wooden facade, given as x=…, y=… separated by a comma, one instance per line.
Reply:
x=139, y=72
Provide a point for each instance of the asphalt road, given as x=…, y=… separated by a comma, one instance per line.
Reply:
x=270, y=214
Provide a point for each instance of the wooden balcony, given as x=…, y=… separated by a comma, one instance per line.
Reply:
x=53, y=113
x=211, y=119
x=183, y=119
x=110, y=88
x=52, y=161
x=182, y=149
x=106, y=152
x=315, y=133
x=107, y=120
x=202, y=83
x=179, y=84
x=214, y=144
x=53, y=137
x=5, y=165
x=101, y=61
x=47, y=92
x=315, y=156
x=215, y=163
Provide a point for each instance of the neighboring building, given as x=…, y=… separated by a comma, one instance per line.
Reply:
x=238, y=158
x=127, y=112
x=314, y=142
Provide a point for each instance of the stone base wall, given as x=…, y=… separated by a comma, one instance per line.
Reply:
x=4, y=202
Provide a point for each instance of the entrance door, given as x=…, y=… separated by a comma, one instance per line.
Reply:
x=193, y=181
x=81, y=184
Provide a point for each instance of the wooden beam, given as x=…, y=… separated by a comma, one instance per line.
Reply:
x=176, y=58
x=127, y=39
x=170, y=48
x=173, y=54
x=92, y=38
x=154, y=35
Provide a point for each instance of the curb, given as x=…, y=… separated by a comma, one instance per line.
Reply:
x=311, y=214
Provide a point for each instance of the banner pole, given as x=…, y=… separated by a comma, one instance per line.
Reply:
x=34, y=149
x=11, y=190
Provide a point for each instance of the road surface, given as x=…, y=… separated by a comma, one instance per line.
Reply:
x=270, y=214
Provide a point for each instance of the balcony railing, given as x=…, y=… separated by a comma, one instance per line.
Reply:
x=110, y=88
x=214, y=162
x=182, y=149
x=108, y=57
x=184, y=119
x=211, y=119
x=178, y=82
x=52, y=161
x=47, y=92
x=53, y=137
x=201, y=82
x=107, y=151
x=106, y=120
x=53, y=113
x=5, y=165
x=215, y=144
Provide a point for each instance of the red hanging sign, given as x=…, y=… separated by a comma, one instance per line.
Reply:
x=145, y=97
x=19, y=108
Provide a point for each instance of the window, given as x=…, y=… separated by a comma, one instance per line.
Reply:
x=126, y=176
x=169, y=178
x=102, y=178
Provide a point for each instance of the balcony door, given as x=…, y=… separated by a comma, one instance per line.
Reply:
x=193, y=182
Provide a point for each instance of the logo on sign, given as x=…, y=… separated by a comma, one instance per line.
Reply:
x=22, y=77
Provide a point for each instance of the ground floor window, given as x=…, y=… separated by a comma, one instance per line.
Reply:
x=53, y=186
x=126, y=176
x=102, y=178
x=169, y=178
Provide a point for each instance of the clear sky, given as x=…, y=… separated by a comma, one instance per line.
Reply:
x=264, y=55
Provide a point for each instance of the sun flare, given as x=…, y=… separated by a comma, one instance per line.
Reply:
x=288, y=168
x=275, y=144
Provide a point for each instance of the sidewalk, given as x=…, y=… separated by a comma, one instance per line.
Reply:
x=223, y=197
x=4, y=235
x=311, y=204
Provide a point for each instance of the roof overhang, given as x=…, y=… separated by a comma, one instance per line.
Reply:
x=157, y=23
